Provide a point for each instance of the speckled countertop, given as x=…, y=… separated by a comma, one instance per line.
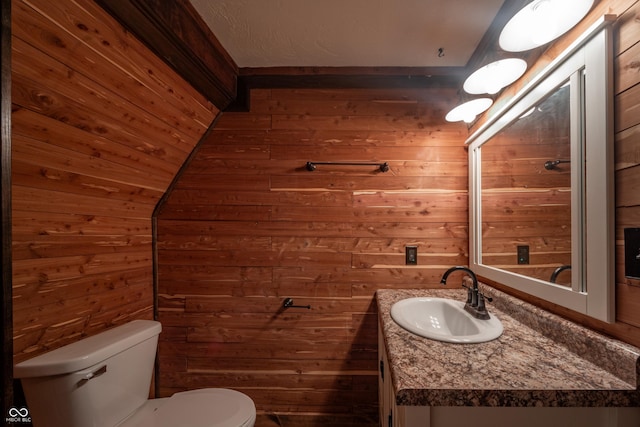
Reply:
x=539, y=360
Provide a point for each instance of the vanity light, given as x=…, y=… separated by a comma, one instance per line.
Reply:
x=540, y=22
x=494, y=76
x=468, y=111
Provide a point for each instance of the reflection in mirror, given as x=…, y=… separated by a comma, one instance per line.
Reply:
x=526, y=193
x=541, y=183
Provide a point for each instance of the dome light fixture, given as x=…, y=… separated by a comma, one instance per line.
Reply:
x=494, y=76
x=541, y=21
x=468, y=111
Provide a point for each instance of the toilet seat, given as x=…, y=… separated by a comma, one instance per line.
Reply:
x=211, y=407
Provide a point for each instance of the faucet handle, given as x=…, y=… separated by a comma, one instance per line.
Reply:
x=469, y=293
x=481, y=305
x=481, y=299
x=488, y=298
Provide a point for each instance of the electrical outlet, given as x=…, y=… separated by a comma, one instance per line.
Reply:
x=632, y=253
x=411, y=255
x=523, y=254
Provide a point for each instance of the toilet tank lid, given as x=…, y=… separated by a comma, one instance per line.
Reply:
x=88, y=351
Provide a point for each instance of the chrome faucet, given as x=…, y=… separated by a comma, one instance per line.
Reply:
x=475, y=304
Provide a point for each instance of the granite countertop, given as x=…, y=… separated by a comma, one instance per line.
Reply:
x=539, y=360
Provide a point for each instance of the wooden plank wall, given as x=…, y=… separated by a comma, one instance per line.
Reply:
x=627, y=153
x=247, y=226
x=100, y=128
x=627, y=163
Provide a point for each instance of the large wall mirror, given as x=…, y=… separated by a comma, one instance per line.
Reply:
x=541, y=183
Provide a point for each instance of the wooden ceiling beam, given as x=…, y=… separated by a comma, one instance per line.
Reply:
x=344, y=77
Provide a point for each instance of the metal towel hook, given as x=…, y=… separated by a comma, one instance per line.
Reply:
x=551, y=164
x=288, y=303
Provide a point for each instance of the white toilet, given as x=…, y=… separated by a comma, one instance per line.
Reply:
x=104, y=380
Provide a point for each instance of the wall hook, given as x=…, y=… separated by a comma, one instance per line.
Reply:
x=288, y=303
x=552, y=164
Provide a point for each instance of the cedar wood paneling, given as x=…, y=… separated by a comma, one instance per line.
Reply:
x=100, y=128
x=247, y=226
x=627, y=166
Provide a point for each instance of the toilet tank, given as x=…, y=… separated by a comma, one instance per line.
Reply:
x=95, y=382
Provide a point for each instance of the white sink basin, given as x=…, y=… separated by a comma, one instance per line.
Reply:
x=444, y=319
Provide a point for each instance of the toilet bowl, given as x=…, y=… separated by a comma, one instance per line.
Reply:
x=211, y=407
x=104, y=380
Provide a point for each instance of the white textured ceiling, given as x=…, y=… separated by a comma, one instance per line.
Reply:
x=349, y=33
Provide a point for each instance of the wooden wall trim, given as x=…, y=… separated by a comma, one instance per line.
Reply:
x=177, y=34
x=5, y=236
x=343, y=78
x=352, y=78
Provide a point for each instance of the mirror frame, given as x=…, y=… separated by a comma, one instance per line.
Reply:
x=593, y=221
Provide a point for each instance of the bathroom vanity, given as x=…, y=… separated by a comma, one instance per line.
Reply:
x=542, y=371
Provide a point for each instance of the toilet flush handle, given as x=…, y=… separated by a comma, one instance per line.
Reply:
x=86, y=376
